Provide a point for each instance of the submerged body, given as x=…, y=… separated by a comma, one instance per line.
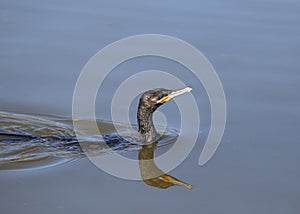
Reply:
x=25, y=139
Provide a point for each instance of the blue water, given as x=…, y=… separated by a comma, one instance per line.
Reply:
x=254, y=47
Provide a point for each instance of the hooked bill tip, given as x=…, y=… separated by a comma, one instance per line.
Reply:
x=189, y=89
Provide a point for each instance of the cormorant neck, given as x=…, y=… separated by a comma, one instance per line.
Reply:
x=145, y=122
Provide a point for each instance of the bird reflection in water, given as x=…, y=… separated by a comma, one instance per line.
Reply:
x=151, y=174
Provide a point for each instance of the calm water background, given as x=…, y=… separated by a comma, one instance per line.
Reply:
x=253, y=45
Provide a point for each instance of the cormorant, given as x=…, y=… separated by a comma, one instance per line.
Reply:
x=35, y=132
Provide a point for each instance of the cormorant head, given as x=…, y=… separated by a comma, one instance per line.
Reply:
x=149, y=102
x=154, y=98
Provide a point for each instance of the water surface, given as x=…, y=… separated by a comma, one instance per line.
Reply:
x=253, y=45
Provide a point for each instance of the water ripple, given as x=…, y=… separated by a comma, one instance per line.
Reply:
x=28, y=141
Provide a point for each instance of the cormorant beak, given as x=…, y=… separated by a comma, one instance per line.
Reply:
x=175, y=181
x=174, y=94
